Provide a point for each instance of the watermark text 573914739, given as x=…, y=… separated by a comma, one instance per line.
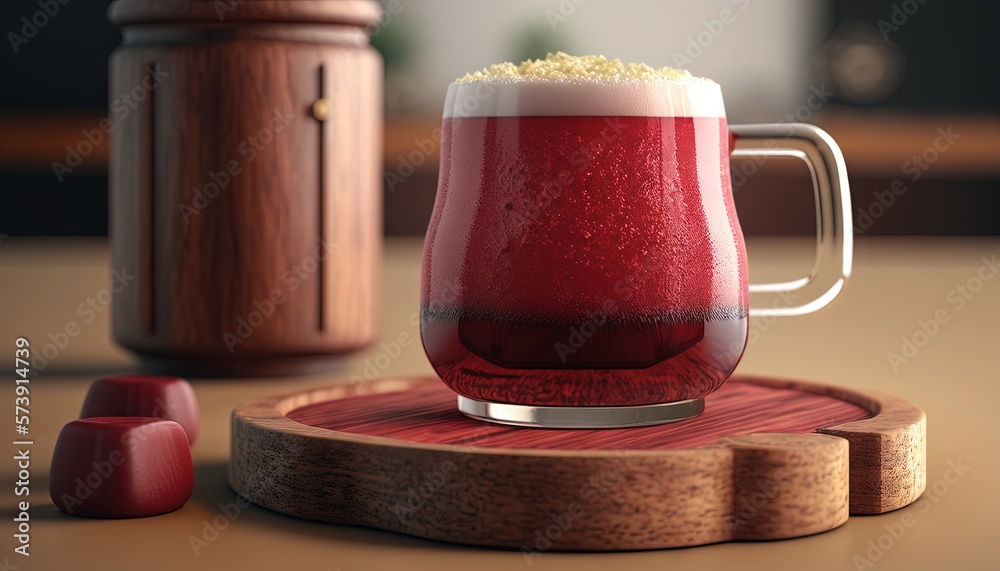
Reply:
x=22, y=446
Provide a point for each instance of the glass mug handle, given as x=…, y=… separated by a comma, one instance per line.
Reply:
x=834, y=227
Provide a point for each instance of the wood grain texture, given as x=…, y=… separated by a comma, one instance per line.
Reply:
x=253, y=227
x=888, y=451
x=740, y=487
x=426, y=413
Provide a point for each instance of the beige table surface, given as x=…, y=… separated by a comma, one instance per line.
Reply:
x=896, y=283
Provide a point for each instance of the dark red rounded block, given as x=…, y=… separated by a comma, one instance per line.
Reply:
x=171, y=398
x=120, y=467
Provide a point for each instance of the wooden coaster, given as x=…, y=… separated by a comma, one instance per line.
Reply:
x=768, y=459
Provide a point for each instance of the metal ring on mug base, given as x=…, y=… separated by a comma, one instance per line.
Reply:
x=580, y=416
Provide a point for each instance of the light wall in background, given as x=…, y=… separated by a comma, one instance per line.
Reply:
x=758, y=51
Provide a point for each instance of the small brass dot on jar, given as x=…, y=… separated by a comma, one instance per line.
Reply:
x=321, y=109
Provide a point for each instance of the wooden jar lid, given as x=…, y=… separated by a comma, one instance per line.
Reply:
x=345, y=12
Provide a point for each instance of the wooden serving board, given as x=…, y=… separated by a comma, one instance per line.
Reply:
x=768, y=459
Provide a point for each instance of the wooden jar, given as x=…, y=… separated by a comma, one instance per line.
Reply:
x=245, y=183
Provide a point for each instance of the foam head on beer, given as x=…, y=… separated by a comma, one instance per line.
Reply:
x=561, y=84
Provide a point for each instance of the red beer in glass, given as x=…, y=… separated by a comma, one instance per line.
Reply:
x=584, y=251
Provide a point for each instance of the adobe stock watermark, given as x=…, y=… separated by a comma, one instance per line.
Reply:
x=898, y=17
x=262, y=309
x=423, y=148
x=579, y=334
x=407, y=164
x=247, y=150
x=387, y=12
x=957, y=298
x=105, y=469
x=88, y=310
x=33, y=23
x=896, y=531
x=374, y=366
x=563, y=11
x=915, y=167
x=223, y=7
x=212, y=528
x=579, y=161
x=817, y=98
x=433, y=481
x=759, y=325
x=712, y=30
x=121, y=107
x=606, y=482
x=229, y=512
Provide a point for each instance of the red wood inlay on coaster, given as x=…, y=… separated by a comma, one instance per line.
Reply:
x=428, y=414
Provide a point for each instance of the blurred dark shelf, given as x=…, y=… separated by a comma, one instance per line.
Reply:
x=875, y=143
x=39, y=205
x=958, y=194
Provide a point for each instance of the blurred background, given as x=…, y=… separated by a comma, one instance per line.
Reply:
x=908, y=88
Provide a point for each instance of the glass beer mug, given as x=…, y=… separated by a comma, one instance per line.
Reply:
x=584, y=266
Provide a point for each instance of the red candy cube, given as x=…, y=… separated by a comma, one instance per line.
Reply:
x=145, y=395
x=120, y=467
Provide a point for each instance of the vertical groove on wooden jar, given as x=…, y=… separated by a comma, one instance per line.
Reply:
x=226, y=159
x=321, y=209
x=148, y=245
